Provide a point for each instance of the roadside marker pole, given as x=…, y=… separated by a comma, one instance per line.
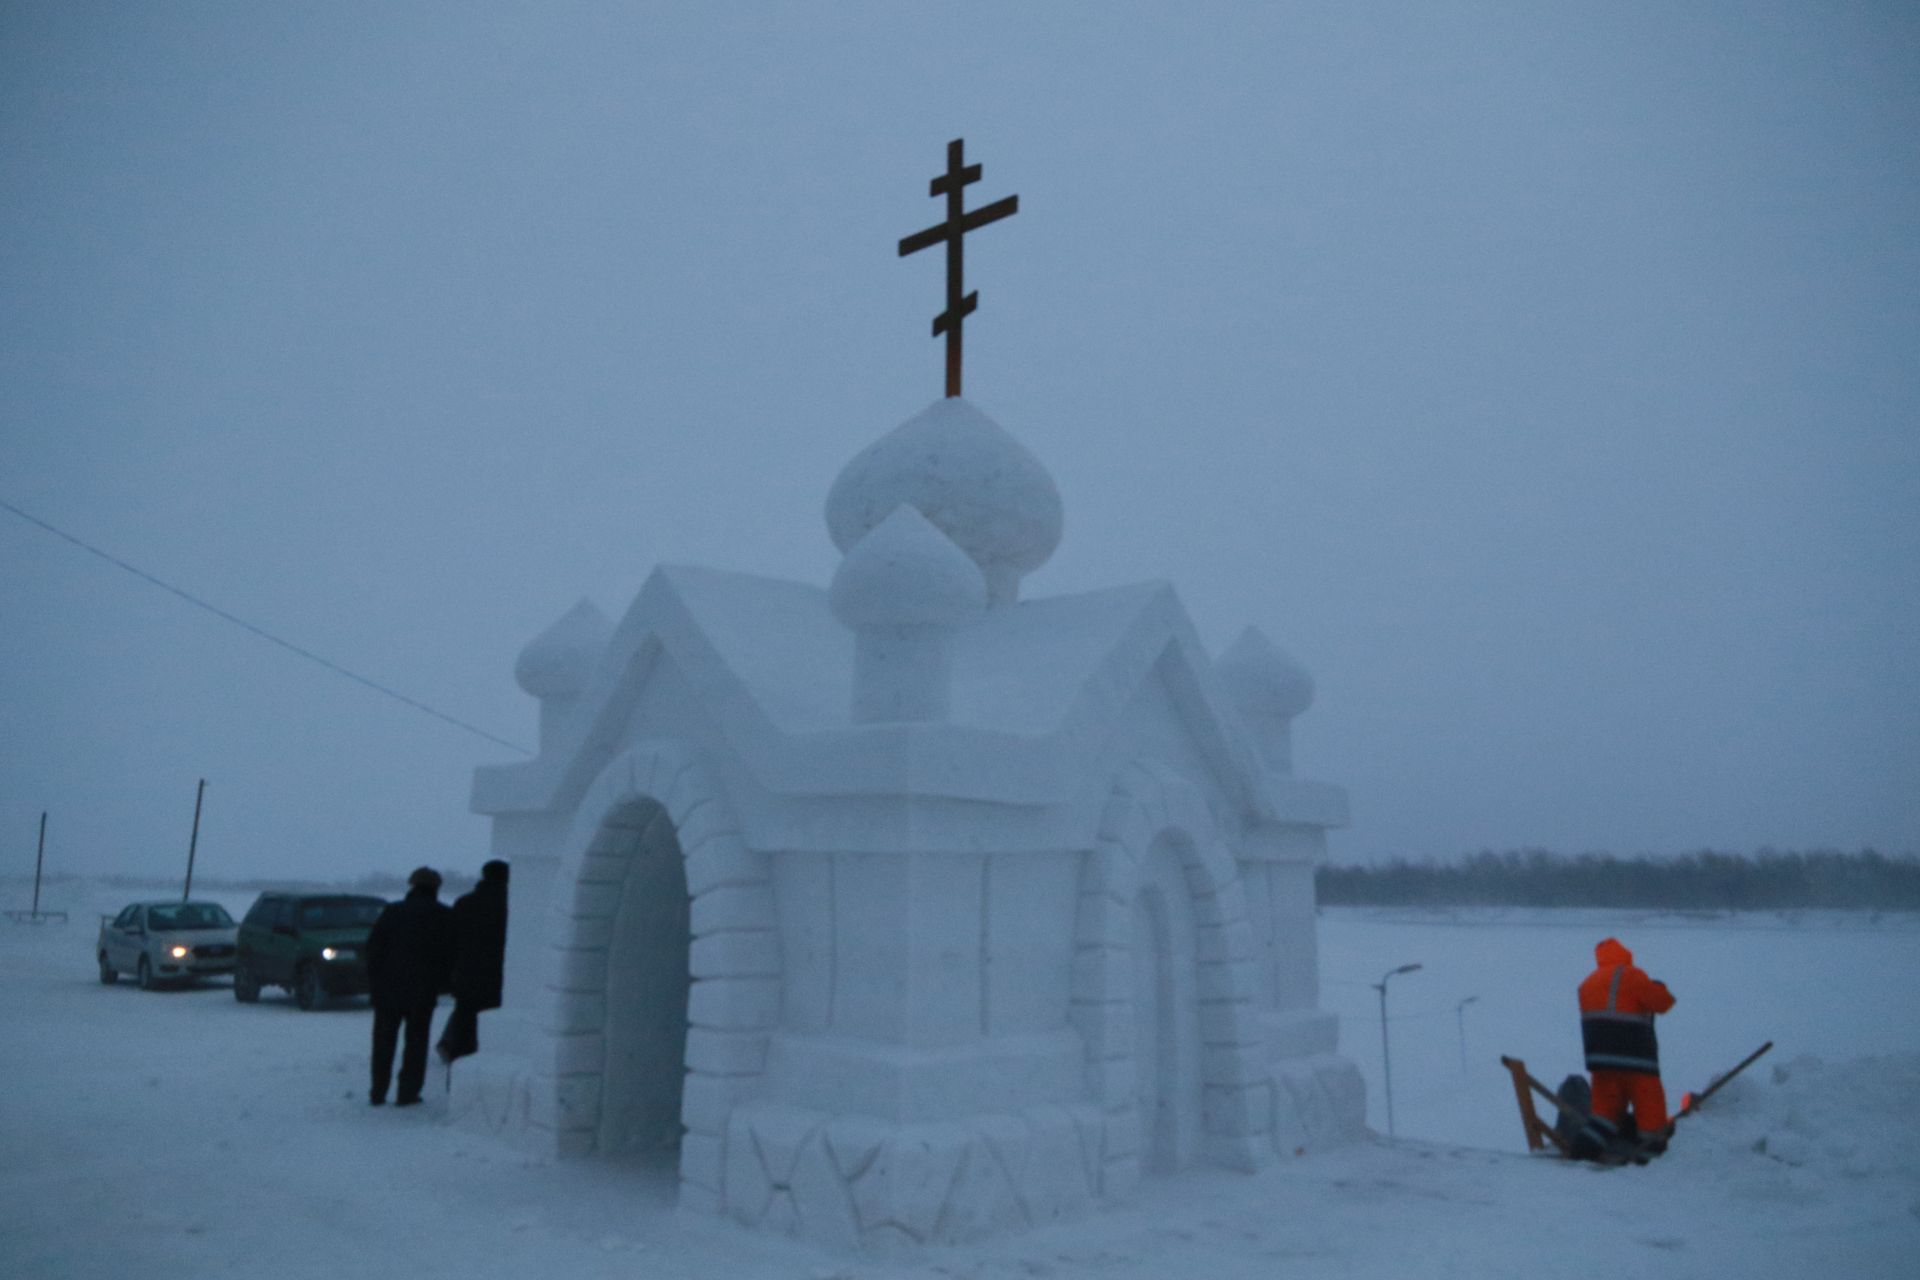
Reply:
x=39, y=858
x=193, y=842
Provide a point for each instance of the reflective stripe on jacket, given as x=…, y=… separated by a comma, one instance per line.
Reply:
x=1617, y=1007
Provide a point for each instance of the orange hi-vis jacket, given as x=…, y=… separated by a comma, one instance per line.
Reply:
x=1617, y=1005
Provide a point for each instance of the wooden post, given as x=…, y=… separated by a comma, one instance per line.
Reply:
x=1539, y=1132
x=39, y=857
x=193, y=842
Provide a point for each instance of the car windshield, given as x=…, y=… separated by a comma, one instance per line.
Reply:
x=189, y=915
x=339, y=913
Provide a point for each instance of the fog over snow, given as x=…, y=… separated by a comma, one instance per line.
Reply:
x=1542, y=379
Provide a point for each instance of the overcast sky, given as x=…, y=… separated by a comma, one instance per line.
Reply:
x=1545, y=377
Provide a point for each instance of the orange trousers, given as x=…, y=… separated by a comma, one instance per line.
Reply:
x=1613, y=1090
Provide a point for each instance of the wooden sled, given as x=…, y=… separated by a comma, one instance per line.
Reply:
x=1541, y=1135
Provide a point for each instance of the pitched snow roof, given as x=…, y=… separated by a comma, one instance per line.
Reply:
x=1037, y=690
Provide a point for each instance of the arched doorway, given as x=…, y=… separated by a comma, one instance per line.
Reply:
x=647, y=986
x=1166, y=1017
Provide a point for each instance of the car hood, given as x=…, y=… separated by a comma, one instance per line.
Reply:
x=195, y=937
x=353, y=937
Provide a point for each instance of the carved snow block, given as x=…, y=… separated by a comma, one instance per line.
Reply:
x=723, y=861
x=754, y=954
x=572, y=1013
x=1345, y=1091
x=853, y=1142
x=821, y=1198
x=702, y=1156
x=575, y=1055
x=907, y=1184
x=726, y=1053
x=579, y=969
x=740, y=906
x=1056, y=1182
x=707, y=1102
x=981, y=1200
x=734, y=1004
x=591, y=901
x=1102, y=974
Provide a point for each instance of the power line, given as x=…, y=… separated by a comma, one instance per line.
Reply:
x=244, y=625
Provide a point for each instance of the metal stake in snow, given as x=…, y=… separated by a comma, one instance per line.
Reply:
x=951, y=184
x=1386, y=1056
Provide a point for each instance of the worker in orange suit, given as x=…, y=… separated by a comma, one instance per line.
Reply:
x=1618, y=1003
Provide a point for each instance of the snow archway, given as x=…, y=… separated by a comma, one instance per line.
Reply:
x=1161, y=874
x=653, y=844
x=648, y=981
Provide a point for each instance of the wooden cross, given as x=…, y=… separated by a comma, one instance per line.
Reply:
x=950, y=184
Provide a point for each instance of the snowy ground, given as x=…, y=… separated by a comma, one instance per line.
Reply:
x=182, y=1134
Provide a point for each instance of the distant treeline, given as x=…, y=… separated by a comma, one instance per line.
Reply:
x=1765, y=881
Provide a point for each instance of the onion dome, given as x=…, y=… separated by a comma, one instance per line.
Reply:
x=1264, y=682
x=559, y=661
x=906, y=573
x=977, y=485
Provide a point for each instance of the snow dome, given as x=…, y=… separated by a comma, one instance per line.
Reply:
x=907, y=573
x=965, y=474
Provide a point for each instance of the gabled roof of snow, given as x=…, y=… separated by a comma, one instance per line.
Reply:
x=1037, y=690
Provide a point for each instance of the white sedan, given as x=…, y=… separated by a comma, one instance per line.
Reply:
x=161, y=942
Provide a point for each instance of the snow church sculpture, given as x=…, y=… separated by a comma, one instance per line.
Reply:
x=914, y=910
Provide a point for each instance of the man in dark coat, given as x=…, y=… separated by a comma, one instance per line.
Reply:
x=409, y=962
x=479, y=960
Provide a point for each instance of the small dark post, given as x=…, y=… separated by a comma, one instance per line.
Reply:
x=39, y=857
x=960, y=304
x=194, y=841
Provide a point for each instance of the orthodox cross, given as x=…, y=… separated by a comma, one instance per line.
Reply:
x=950, y=184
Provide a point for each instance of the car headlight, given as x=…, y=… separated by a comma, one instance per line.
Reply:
x=336, y=953
x=179, y=952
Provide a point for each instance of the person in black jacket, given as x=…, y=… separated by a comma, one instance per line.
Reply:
x=409, y=962
x=479, y=960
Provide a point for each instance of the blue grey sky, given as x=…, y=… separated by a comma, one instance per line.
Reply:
x=1543, y=376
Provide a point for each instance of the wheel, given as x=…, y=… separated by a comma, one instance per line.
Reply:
x=108, y=974
x=308, y=992
x=144, y=974
x=246, y=988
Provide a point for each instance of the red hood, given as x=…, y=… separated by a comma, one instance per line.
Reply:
x=1610, y=953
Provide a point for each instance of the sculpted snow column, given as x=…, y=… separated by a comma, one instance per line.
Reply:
x=555, y=667
x=901, y=590
x=557, y=664
x=1269, y=689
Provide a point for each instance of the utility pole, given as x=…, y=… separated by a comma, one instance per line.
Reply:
x=1386, y=1053
x=39, y=857
x=193, y=842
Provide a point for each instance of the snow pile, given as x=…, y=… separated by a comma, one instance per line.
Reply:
x=1848, y=1121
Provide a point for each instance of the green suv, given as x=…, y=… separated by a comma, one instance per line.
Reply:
x=313, y=944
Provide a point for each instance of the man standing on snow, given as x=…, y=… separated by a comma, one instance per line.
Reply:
x=409, y=956
x=479, y=960
x=1618, y=1003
